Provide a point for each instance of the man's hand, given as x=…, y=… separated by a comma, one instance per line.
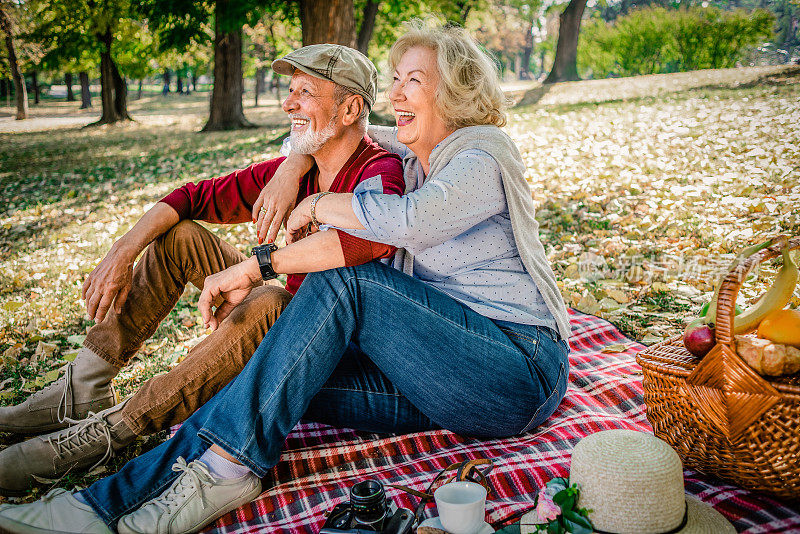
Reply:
x=297, y=225
x=232, y=286
x=108, y=283
x=279, y=196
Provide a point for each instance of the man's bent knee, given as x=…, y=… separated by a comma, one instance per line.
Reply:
x=182, y=233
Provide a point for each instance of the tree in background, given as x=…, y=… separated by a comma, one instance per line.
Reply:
x=69, y=27
x=457, y=11
x=611, y=11
x=659, y=40
x=328, y=21
x=565, y=67
x=530, y=12
x=787, y=14
x=386, y=26
x=136, y=50
x=501, y=32
x=103, y=18
x=273, y=36
x=66, y=49
x=506, y=28
x=366, y=25
x=7, y=28
x=179, y=23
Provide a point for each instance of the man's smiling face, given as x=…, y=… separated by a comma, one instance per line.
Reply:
x=311, y=106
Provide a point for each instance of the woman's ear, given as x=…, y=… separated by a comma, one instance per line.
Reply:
x=352, y=111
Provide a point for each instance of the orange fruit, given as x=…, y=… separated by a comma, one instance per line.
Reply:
x=781, y=326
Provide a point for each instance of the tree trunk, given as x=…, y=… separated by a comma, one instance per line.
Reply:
x=565, y=65
x=113, y=91
x=139, y=92
x=167, y=80
x=86, y=95
x=367, y=26
x=19, y=81
x=328, y=21
x=193, y=77
x=542, y=55
x=6, y=92
x=179, y=84
x=109, y=114
x=35, y=83
x=260, y=81
x=68, y=83
x=276, y=82
x=120, y=92
x=527, y=50
x=226, y=97
x=20, y=92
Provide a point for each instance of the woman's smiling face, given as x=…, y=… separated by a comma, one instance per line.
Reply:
x=413, y=92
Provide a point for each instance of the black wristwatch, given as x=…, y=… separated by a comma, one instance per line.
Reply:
x=263, y=254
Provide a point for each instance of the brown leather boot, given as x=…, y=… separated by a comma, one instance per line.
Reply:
x=85, y=387
x=83, y=446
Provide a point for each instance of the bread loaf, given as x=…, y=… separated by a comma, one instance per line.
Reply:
x=768, y=358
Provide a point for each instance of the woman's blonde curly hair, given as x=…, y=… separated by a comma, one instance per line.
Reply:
x=469, y=91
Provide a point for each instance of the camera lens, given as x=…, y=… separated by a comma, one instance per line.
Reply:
x=368, y=501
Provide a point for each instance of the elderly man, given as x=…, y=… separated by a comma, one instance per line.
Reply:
x=332, y=90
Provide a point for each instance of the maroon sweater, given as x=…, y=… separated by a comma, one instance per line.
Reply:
x=230, y=198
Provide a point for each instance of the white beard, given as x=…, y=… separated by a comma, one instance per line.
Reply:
x=309, y=141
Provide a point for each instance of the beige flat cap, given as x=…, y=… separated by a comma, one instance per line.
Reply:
x=336, y=63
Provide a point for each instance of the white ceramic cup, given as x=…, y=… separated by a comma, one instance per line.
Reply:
x=461, y=506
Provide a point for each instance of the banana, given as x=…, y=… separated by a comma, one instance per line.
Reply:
x=774, y=299
x=711, y=314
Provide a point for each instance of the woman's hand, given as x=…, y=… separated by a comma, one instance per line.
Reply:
x=232, y=286
x=297, y=225
x=279, y=196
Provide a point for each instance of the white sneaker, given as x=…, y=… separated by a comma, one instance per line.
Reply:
x=58, y=512
x=194, y=500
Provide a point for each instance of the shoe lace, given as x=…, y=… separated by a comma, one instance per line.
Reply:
x=82, y=433
x=193, y=476
x=66, y=396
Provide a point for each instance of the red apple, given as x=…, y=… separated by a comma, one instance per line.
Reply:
x=699, y=338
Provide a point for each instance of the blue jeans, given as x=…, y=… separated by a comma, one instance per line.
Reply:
x=369, y=348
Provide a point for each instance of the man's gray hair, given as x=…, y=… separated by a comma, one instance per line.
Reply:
x=342, y=93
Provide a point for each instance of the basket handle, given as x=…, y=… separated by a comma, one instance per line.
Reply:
x=732, y=283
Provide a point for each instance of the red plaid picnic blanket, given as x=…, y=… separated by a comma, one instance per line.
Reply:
x=320, y=463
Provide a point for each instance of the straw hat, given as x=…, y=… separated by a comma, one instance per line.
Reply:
x=633, y=483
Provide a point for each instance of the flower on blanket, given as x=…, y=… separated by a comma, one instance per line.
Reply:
x=545, y=507
x=556, y=506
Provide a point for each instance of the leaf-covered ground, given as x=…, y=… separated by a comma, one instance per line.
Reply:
x=641, y=203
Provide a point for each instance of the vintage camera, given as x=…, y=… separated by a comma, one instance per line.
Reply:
x=367, y=512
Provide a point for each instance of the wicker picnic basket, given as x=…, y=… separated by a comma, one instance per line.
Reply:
x=722, y=417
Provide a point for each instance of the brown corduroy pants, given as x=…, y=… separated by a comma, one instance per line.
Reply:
x=186, y=253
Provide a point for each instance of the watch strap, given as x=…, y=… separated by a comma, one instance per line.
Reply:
x=263, y=254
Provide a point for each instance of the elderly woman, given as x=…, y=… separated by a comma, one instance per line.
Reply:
x=466, y=333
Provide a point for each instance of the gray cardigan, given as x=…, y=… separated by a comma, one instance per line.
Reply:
x=497, y=144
